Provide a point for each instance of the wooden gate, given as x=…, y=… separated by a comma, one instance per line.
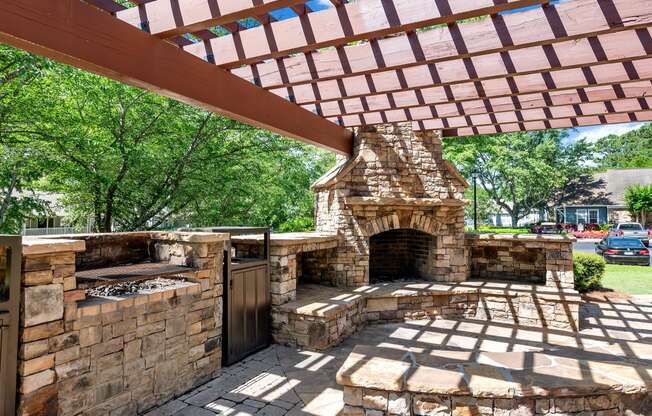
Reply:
x=10, y=262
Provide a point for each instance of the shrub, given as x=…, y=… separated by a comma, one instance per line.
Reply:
x=589, y=271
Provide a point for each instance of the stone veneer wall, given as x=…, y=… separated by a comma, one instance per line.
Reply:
x=396, y=179
x=117, y=357
x=285, y=259
x=523, y=258
x=370, y=402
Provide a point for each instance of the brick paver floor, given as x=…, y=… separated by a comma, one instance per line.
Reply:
x=287, y=381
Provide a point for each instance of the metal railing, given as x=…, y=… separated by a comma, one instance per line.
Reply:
x=10, y=264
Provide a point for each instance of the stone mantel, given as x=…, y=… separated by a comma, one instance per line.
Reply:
x=397, y=201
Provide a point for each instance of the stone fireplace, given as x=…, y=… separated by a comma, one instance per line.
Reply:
x=397, y=207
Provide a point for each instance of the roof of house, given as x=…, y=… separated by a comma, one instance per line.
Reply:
x=608, y=188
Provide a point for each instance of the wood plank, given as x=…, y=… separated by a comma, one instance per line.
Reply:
x=561, y=123
x=341, y=25
x=452, y=76
x=583, y=94
x=541, y=26
x=81, y=35
x=543, y=115
x=166, y=18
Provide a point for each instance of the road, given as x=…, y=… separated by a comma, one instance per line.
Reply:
x=585, y=246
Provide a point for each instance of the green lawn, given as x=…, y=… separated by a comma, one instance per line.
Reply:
x=634, y=280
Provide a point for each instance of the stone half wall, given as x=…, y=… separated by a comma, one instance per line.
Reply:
x=397, y=179
x=121, y=356
x=540, y=259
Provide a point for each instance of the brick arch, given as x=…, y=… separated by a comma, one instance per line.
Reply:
x=425, y=223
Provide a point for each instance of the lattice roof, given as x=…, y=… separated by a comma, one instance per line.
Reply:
x=464, y=66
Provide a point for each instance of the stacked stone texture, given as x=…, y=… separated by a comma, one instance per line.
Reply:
x=547, y=261
x=367, y=402
x=117, y=357
x=391, y=165
x=285, y=262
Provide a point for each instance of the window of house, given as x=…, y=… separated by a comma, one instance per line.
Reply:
x=582, y=216
x=593, y=216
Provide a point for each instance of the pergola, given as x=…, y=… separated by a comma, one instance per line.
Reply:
x=311, y=70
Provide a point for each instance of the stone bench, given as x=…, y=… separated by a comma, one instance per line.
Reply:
x=323, y=316
x=379, y=381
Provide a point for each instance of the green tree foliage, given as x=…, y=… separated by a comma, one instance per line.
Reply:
x=21, y=163
x=629, y=150
x=486, y=205
x=639, y=201
x=521, y=171
x=129, y=159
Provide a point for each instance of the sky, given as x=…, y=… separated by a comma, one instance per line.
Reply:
x=594, y=133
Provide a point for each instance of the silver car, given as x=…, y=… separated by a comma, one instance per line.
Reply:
x=630, y=230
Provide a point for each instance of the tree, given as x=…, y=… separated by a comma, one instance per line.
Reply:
x=639, y=201
x=130, y=160
x=486, y=205
x=21, y=163
x=629, y=150
x=521, y=171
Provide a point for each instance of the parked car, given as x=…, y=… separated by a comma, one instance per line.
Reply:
x=632, y=230
x=623, y=250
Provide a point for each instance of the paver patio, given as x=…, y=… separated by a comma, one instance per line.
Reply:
x=281, y=380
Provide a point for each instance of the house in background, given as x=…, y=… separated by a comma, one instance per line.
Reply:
x=54, y=221
x=602, y=200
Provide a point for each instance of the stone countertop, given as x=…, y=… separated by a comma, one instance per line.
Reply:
x=556, y=373
x=35, y=245
x=552, y=238
x=289, y=239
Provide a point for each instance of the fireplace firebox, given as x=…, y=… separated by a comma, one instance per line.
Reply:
x=401, y=254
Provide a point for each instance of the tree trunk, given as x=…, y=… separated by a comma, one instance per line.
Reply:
x=515, y=218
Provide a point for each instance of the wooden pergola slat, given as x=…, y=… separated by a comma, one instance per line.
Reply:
x=491, y=105
x=627, y=105
x=541, y=26
x=166, y=18
x=341, y=25
x=526, y=63
x=79, y=34
x=560, y=123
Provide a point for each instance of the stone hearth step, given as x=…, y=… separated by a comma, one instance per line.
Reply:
x=323, y=316
x=403, y=382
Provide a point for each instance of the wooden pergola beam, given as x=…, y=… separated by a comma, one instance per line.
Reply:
x=540, y=100
x=559, y=123
x=341, y=25
x=475, y=122
x=510, y=32
x=524, y=65
x=81, y=35
x=167, y=18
